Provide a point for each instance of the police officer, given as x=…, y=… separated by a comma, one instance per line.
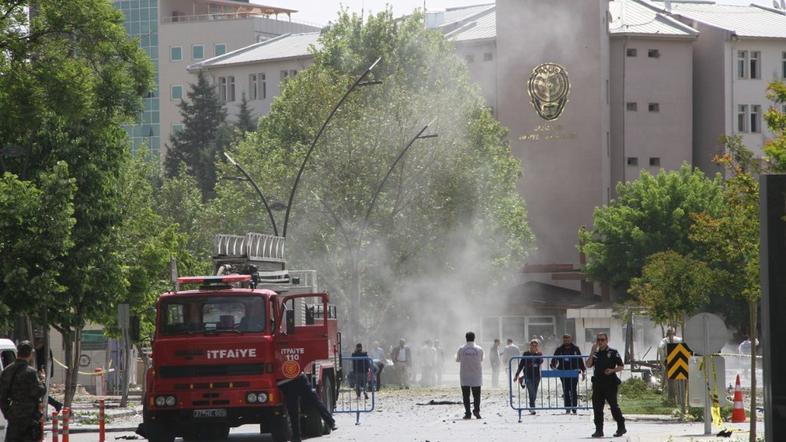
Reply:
x=607, y=363
x=21, y=391
x=298, y=393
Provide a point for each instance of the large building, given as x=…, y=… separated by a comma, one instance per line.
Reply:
x=593, y=93
x=176, y=33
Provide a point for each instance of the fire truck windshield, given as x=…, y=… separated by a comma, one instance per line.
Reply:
x=207, y=314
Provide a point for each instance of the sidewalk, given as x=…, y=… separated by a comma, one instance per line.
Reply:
x=85, y=415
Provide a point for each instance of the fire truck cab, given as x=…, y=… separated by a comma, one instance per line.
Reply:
x=220, y=348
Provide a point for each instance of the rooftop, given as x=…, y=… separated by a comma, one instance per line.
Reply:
x=747, y=21
x=638, y=17
x=283, y=47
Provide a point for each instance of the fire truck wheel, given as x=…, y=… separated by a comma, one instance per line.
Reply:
x=159, y=434
x=280, y=428
x=327, y=399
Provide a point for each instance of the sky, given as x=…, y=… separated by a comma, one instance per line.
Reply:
x=320, y=12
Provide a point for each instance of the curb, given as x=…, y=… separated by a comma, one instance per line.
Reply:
x=94, y=429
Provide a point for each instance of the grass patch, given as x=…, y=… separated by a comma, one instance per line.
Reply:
x=638, y=397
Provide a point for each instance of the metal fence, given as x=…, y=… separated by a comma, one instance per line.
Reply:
x=359, y=390
x=547, y=383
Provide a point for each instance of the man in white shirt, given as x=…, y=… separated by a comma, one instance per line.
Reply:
x=378, y=356
x=509, y=352
x=402, y=361
x=470, y=358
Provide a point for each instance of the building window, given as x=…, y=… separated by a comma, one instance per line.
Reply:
x=632, y=106
x=222, y=89
x=654, y=161
x=230, y=89
x=631, y=52
x=783, y=66
x=541, y=327
x=654, y=107
x=252, y=86
x=197, y=52
x=653, y=53
x=742, y=118
x=633, y=161
x=262, y=86
x=755, y=119
x=220, y=49
x=177, y=128
x=488, y=56
x=742, y=64
x=286, y=75
x=470, y=58
x=755, y=64
x=175, y=53
x=177, y=92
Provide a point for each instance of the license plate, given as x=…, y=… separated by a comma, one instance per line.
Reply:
x=211, y=412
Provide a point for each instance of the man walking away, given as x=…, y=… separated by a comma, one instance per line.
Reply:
x=21, y=391
x=510, y=351
x=568, y=357
x=495, y=363
x=402, y=361
x=607, y=363
x=360, y=370
x=470, y=358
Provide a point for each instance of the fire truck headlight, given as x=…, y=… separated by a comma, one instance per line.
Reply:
x=262, y=398
x=160, y=401
x=251, y=398
x=170, y=401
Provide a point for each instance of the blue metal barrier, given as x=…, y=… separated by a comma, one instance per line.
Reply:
x=547, y=389
x=358, y=392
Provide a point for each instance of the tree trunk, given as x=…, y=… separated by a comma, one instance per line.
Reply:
x=68, y=343
x=146, y=366
x=753, y=306
x=73, y=341
x=126, y=368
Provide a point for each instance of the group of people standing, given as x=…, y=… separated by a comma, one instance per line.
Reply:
x=425, y=367
x=605, y=362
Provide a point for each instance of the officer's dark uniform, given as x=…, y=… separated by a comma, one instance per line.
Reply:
x=20, y=394
x=299, y=389
x=569, y=385
x=604, y=389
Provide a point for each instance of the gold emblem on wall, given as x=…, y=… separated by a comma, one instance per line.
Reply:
x=548, y=89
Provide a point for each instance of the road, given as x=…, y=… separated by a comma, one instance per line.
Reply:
x=399, y=418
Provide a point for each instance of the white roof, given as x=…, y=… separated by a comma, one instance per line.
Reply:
x=481, y=27
x=750, y=21
x=283, y=47
x=639, y=18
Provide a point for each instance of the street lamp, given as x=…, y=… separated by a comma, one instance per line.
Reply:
x=358, y=82
x=259, y=192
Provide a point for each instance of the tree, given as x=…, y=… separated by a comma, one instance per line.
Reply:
x=775, y=149
x=447, y=226
x=649, y=215
x=730, y=239
x=672, y=286
x=69, y=79
x=35, y=233
x=246, y=120
x=203, y=138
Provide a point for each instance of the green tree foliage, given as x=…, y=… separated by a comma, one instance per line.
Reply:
x=35, y=234
x=649, y=215
x=69, y=79
x=775, y=149
x=203, y=138
x=246, y=120
x=672, y=286
x=730, y=239
x=449, y=213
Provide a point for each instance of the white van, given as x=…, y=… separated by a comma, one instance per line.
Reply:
x=7, y=357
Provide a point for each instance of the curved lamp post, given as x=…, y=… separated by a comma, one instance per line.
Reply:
x=259, y=192
x=358, y=82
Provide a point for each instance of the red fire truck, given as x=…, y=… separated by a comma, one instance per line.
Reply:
x=220, y=348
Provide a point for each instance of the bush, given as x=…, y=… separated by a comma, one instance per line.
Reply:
x=697, y=413
x=634, y=387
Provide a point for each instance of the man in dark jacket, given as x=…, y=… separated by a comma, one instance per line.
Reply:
x=360, y=370
x=569, y=359
x=21, y=391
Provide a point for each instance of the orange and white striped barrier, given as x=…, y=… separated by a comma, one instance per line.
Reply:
x=55, y=436
x=738, y=412
x=66, y=416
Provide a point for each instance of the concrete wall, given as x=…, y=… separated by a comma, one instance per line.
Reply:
x=563, y=160
x=666, y=80
x=273, y=83
x=482, y=71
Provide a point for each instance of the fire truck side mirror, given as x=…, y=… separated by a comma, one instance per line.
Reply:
x=290, y=321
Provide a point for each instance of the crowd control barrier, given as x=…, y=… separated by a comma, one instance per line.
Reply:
x=359, y=390
x=548, y=383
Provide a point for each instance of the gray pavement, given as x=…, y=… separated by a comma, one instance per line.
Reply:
x=398, y=418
